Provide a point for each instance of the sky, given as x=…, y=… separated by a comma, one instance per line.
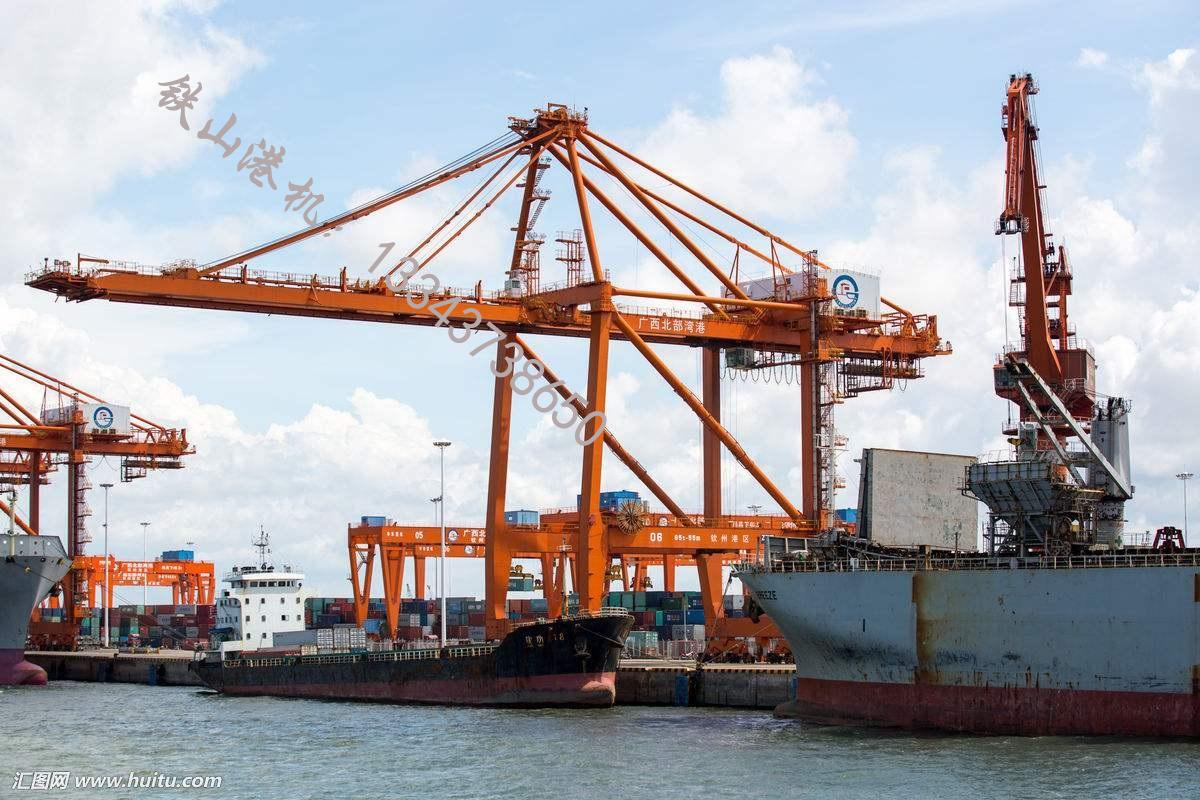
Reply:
x=867, y=131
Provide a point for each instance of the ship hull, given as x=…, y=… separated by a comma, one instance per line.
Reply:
x=1092, y=651
x=570, y=662
x=29, y=568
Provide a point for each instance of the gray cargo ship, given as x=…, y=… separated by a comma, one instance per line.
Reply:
x=1082, y=644
x=1058, y=628
x=31, y=567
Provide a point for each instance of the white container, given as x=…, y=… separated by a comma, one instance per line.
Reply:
x=854, y=293
x=97, y=417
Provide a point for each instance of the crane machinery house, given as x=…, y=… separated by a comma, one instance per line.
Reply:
x=260, y=603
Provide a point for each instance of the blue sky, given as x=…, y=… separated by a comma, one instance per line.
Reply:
x=868, y=131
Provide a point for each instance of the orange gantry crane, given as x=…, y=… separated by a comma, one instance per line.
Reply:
x=552, y=543
x=73, y=425
x=191, y=582
x=795, y=324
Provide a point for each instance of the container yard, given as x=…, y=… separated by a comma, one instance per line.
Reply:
x=716, y=418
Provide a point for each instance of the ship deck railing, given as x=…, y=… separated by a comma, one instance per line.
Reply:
x=409, y=654
x=605, y=611
x=1189, y=558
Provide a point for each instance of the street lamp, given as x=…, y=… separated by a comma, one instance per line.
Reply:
x=754, y=509
x=146, y=573
x=1185, y=477
x=441, y=445
x=104, y=598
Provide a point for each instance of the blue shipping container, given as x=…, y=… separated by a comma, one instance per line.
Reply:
x=522, y=516
x=695, y=616
x=611, y=500
x=848, y=515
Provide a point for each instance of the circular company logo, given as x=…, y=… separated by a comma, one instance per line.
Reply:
x=469, y=549
x=102, y=417
x=845, y=291
x=452, y=536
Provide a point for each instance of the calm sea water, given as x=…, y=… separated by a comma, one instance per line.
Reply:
x=271, y=748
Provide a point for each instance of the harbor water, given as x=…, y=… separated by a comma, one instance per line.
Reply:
x=273, y=748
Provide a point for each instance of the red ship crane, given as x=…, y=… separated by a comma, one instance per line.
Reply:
x=1039, y=288
x=836, y=355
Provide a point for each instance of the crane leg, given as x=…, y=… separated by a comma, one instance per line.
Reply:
x=709, y=566
x=498, y=553
x=419, y=577
x=668, y=573
x=391, y=562
x=360, y=578
x=591, y=551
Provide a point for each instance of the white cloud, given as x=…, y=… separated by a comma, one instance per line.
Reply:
x=1091, y=58
x=86, y=111
x=772, y=148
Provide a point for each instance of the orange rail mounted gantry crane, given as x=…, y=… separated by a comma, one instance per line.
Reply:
x=191, y=582
x=551, y=543
x=77, y=425
x=837, y=355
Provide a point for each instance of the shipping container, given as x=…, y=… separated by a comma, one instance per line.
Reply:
x=374, y=521
x=522, y=516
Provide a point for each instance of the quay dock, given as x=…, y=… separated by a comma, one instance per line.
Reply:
x=647, y=682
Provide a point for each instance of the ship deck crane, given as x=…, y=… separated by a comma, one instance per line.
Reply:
x=1052, y=497
x=801, y=330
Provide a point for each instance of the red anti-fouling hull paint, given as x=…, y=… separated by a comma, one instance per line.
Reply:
x=537, y=691
x=16, y=671
x=978, y=709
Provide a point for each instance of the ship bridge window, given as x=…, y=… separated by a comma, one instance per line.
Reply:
x=262, y=600
x=283, y=617
x=264, y=617
x=297, y=600
x=247, y=618
x=282, y=600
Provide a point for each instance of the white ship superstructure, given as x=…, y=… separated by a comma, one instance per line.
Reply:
x=260, y=602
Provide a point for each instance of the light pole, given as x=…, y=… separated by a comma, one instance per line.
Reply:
x=754, y=509
x=146, y=574
x=1184, y=477
x=104, y=597
x=441, y=445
